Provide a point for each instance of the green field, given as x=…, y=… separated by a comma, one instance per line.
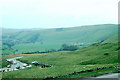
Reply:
x=92, y=74
x=67, y=62
x=101, y=58
x=46, y=39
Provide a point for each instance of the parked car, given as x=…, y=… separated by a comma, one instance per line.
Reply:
x=8, y=66
x=18, y=67
x=35, y=63
x=24, y=65
x=14, y=63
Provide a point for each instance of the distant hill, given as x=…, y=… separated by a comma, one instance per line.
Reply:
x=40, y=40
x=10, y=30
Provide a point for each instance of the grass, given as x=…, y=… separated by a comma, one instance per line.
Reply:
x=4, y=57
x=67, y=62
x=89, y=54
x=41, y=40
x=55, y=71
x=92, y=74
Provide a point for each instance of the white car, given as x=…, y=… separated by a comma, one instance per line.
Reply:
x=15, y=69
x=29, y=66
x=24, y=65
x=34, y=62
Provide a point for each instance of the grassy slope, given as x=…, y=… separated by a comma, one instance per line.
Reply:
x=113, y=39
x=68, y=62
x=52, y=39
x=37, y=72
x=92, y=74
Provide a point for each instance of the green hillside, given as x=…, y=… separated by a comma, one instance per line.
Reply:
x=68, y=62
x=101, y=55
x=42, y=40
x=113, y=39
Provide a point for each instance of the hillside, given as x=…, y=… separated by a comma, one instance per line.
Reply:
x=113, y=39
x=41, y=40
x=68, y=62
x=10, y=30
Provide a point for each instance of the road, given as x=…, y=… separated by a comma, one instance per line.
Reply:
x=10, y=59
x=112, y=75
x=13, y=66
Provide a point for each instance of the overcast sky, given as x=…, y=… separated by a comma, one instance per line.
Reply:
x=57, y=13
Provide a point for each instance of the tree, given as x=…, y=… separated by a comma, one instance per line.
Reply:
x=69, y=48
x=64, y=45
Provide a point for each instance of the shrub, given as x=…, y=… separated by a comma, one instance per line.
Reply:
x=106, y=53
x=66, y=47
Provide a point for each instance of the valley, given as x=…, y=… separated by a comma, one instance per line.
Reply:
x=86, y=52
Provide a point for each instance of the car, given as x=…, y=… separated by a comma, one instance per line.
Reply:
x=15, y=69
x=8, y=66
x=18, y=67
x=24, y=65
x=14, y=63
x=34, y=62
x=29, y=66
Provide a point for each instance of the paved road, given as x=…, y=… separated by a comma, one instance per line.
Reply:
x=13, y=66
x=113, y=75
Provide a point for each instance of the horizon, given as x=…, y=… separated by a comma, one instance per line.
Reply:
x=50, y=14
x=60, y=27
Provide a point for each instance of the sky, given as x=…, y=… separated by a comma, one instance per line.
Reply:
x=57, y=13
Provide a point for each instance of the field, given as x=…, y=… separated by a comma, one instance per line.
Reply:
x=46, y=39
x=93, y=57
x=92, y=74
x=68, y=62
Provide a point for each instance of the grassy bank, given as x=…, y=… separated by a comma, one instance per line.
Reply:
x=68, y=62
